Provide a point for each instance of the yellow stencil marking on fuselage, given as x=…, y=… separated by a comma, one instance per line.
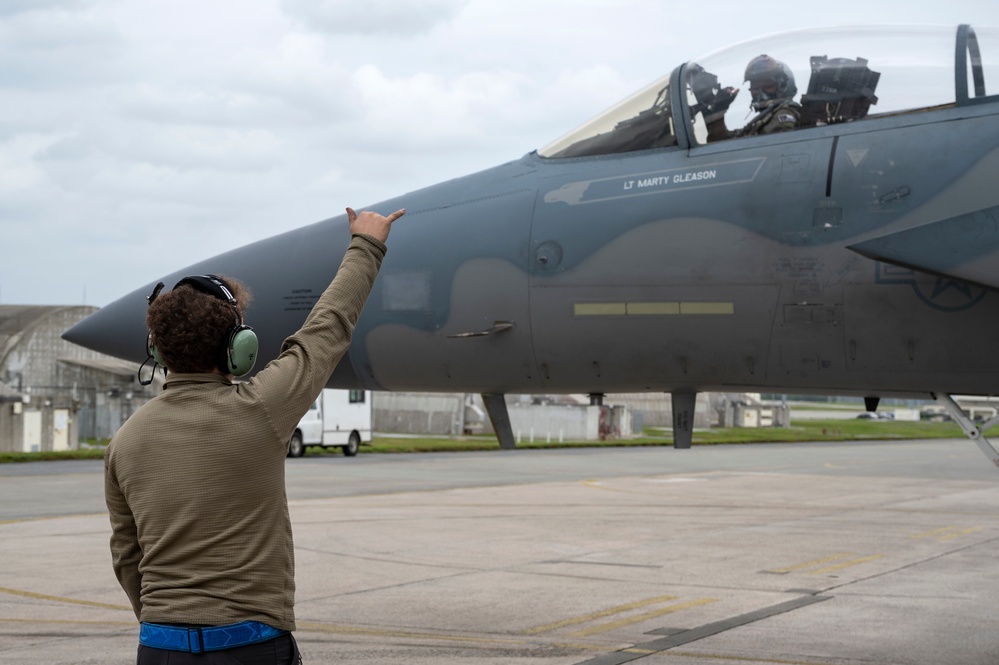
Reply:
x=724, y=308
x=600, y=309
x=653, y=308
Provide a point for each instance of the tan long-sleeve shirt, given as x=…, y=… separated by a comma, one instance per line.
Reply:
x=194, y=480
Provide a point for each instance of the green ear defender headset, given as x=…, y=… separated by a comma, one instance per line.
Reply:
x=239, y=352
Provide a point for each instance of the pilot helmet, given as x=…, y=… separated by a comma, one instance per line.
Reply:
x=769, y=80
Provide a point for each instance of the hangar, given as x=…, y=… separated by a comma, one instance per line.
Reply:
x=54, y=393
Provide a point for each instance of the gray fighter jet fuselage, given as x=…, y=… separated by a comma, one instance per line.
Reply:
x=857, y=253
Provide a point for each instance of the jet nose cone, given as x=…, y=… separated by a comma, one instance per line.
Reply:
x=118, y=329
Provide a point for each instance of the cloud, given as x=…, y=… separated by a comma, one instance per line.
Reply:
x=140, y=136
x=44, y=49
x=392, y=17
x=11, y=7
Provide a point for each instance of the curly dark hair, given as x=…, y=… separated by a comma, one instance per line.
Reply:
x=190, y=329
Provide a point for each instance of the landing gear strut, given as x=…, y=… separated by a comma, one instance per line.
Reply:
x=975, y=433
x=500, y=418
x=683, y=418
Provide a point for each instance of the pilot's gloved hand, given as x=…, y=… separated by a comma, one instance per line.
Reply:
x=716, y=108
x=703, y=84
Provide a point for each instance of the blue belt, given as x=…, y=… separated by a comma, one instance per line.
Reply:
x=209, y=638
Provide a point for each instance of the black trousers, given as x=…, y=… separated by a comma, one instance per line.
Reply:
x=282, y=650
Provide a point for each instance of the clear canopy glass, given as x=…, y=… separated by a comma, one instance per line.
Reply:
x=840, y=74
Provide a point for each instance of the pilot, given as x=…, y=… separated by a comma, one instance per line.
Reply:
x=771, y=85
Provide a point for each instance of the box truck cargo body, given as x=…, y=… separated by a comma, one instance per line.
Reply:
x=337, y=418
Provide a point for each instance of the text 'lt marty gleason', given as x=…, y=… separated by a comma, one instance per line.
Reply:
x=678, y=178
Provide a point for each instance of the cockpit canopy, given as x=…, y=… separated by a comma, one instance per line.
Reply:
x=842, y=74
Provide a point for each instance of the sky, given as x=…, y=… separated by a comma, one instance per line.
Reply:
x=138, y=137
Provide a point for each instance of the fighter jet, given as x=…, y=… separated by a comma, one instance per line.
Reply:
x=716, y=231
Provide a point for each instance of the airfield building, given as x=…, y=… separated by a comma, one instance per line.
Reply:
x=53, y=393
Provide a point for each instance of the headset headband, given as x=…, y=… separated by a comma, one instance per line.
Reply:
x=213, y=286
x=239, y=351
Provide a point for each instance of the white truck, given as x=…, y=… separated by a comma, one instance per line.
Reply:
x=338, y=418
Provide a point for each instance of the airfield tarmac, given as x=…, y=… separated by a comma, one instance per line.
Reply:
x=801, y=554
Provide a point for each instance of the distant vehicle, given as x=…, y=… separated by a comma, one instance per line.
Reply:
x=881, y=415
x=338, y=418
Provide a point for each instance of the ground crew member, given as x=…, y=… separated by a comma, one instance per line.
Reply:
x=201, y=537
